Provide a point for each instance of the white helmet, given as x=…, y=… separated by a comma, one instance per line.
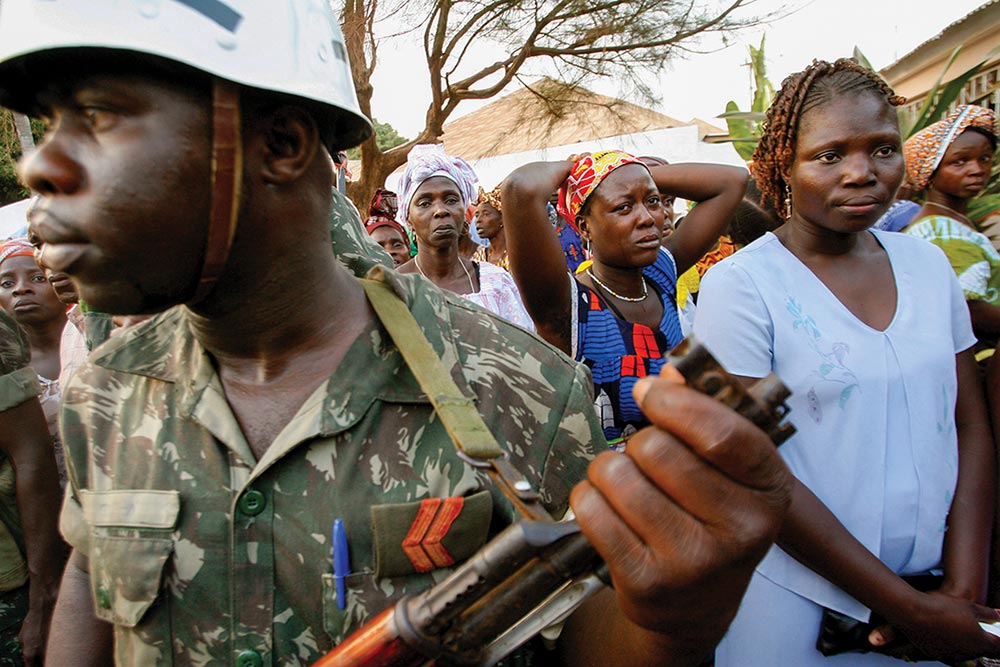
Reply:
x=294, y=47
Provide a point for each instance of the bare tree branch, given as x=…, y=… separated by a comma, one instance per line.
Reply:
x=582, y=39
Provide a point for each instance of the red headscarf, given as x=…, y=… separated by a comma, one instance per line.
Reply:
x=382, y=213
x=16, y=247
x=588, y=172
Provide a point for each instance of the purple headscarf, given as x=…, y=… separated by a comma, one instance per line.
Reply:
x=429, y=160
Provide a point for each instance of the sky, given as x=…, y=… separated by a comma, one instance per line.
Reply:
x=701, y=84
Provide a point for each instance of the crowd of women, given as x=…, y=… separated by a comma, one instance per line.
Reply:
x=885, y=553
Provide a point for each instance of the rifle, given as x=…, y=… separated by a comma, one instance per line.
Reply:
x=536, y=572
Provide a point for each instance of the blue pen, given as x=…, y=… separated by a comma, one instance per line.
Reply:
x=341, y=562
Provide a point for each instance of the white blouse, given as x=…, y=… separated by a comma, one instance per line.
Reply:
x=874, y=410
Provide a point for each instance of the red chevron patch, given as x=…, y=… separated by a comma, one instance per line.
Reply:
x=422, y=544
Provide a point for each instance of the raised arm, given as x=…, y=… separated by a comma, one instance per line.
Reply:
x=536, y=257
x=717, y=189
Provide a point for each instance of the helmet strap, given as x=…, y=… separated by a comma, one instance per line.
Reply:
x=227, y=168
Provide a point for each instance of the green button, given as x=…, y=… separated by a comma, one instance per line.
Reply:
x=248, y=659
x=252, y=503
x=104, y=598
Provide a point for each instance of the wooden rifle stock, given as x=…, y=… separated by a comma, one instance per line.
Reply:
x=377, y=644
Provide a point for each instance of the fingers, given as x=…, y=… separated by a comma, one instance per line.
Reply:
x=662, y=503
x=707, y=495
x=622, y=513
x=986, y=614
x=688, y=510
x=669, y=373
x=882, y=635
x=714, y=432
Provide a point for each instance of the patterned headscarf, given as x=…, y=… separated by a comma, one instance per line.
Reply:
x=382, y=213
x=383, y=204
x=492, y=197
x=588, y=172
x=429, y=160
x=925, y=149
x=17, y=247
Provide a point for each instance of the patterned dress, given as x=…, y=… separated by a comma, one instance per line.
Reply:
x=619, y=352
x=498, y=294
x=974, y=259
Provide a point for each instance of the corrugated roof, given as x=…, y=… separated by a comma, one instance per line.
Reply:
x=923, y=50
x=549, y=113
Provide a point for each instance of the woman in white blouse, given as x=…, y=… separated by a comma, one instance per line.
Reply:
x=893, y=454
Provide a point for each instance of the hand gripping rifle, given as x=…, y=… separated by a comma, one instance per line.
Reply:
x=536, y=572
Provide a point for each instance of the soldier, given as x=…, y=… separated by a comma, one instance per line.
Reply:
x=212, y=448
x=31, y=553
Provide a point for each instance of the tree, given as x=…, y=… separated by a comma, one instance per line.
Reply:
x=580, y=39
x=15, y=138
x=386, y=137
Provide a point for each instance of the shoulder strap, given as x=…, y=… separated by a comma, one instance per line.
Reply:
x=457, y=412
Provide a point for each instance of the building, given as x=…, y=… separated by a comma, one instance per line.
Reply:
x=978, y=35
x=551, y=120
x=550, y=113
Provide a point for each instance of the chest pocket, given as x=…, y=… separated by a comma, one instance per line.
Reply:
x=130, y=542
x=415, y=544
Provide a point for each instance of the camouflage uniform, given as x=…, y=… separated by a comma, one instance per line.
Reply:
x=351, y=243
x=18, y=383
x=201, y=554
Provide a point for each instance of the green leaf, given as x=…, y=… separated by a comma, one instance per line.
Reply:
x=862, y=59
x=933, y=109
x=741, y=130
x=763, y=90
x=983, y=206
x=921, y=120
x=755, y=116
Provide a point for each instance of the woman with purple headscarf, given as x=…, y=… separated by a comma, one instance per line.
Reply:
x=435, y=191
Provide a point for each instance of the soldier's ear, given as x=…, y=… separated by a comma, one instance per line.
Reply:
x=288, y=140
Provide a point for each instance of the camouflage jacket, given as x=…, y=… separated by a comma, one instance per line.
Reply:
x=200, y=554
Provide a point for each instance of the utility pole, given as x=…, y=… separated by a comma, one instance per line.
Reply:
x=23, y=128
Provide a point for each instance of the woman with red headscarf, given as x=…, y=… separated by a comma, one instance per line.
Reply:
x=619, y=315
x=27, y=296
x=381, y=225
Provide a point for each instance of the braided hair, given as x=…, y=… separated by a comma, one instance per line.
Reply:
x=800, y=92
